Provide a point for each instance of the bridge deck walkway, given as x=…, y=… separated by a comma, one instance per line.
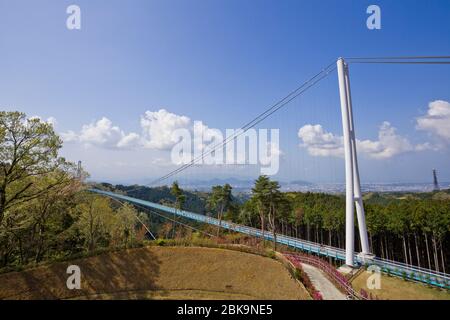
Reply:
x=322, y=284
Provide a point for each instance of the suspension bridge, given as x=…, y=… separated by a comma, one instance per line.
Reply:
x=414, y=273
x=353, y=193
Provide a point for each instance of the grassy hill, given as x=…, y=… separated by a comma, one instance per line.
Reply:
x=393, y=288
x=159, y=273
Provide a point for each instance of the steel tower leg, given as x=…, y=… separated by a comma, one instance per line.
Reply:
x=356, y=181
x=349, y=195
x=352, y=181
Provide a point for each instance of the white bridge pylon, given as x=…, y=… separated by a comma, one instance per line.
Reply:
x=353, y=195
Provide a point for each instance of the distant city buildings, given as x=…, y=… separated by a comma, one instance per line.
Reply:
x=332, y=188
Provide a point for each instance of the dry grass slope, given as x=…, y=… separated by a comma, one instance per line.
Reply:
x=159, y=273
x=393, y=288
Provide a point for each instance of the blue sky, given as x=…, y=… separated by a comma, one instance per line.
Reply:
x=223, y=62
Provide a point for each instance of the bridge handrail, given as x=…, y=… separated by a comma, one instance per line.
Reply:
x=333, y=275
x=413, y=268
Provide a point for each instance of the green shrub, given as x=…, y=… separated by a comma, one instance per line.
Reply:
x=404, y=275
x=297, y=273
x=160, y=242
x=271, y=254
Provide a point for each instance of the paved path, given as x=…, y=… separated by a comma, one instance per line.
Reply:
x=322, y=284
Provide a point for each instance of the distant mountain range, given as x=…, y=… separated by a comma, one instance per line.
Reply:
x=234, y=182
x=245, y=185
x=301, y=182
x=305, y=186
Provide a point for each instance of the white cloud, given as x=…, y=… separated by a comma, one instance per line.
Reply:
x=274, y=150
x=50, y=120
x=69, y=136
x=389, y=143
x=319, y=142
x=102, y=134
x=158, y=128
x=128, y=141
x=159, y=132
x=437, y=120
x=205, y=138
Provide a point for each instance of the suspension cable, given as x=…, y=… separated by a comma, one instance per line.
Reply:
x=167, y=218
x=280, y=104
x=401, y=60
x=137, y=217
x=398, y=58
x=294, y=94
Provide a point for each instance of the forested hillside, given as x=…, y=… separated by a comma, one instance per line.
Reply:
x=195, y=201
x=408, y=227
x=46, y=212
